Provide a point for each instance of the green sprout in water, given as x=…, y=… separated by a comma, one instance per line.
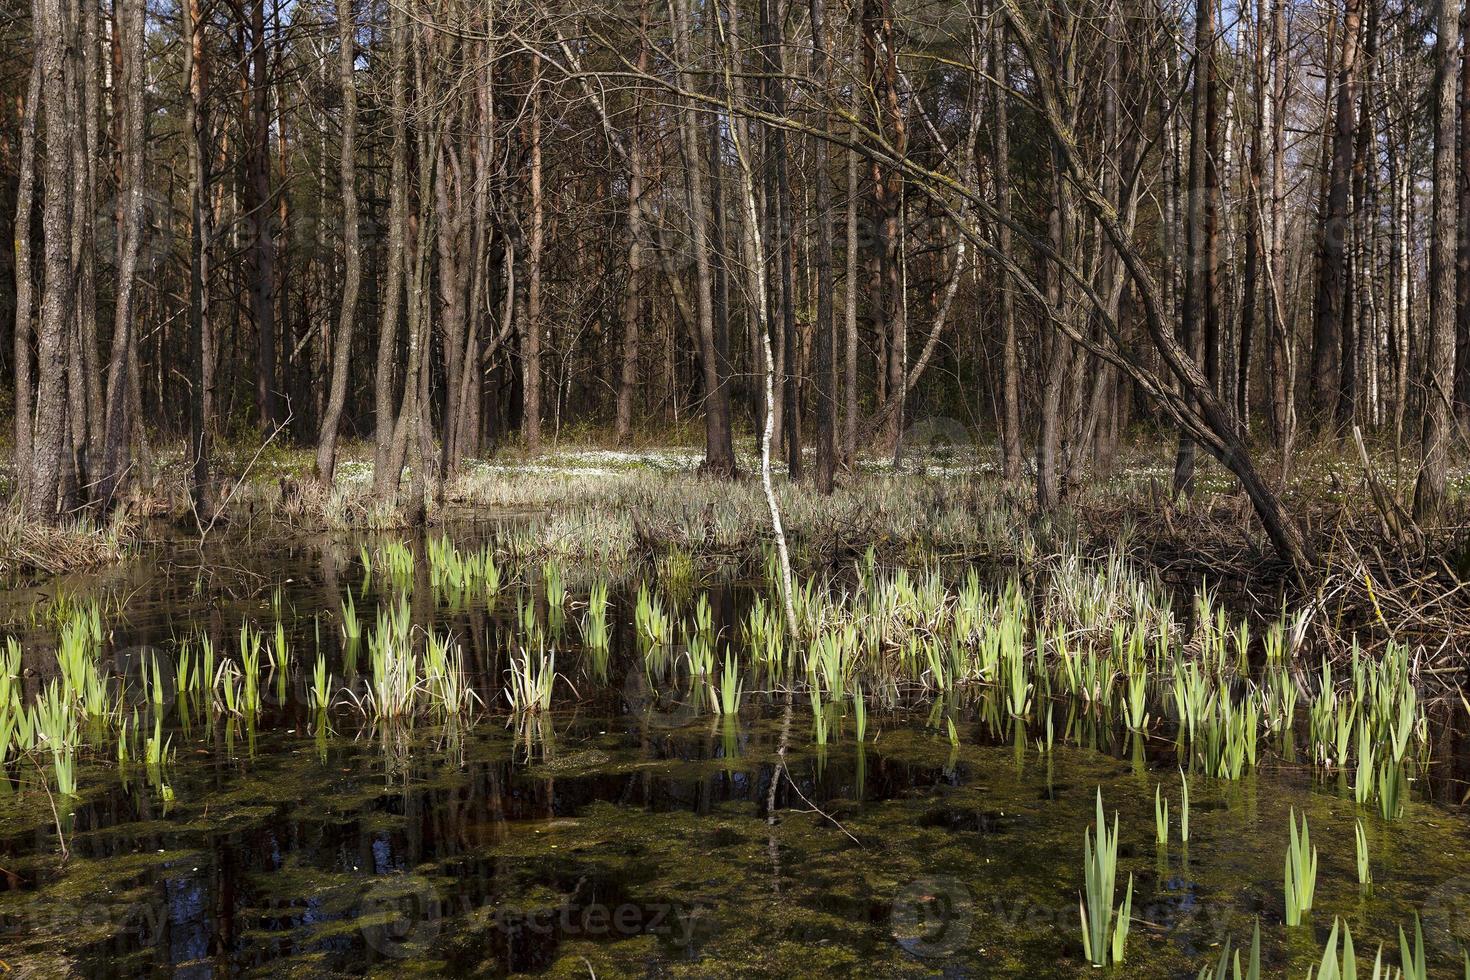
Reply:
x=1365, y=872
x=1301, y=872
x=1104, y=932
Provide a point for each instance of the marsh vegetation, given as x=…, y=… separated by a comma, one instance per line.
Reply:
x=581, y=735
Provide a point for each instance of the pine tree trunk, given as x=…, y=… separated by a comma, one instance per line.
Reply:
x=1439, y=353
x=326, y=453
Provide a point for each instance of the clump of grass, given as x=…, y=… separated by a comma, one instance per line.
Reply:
x=1104, y=930
x=732, y=688
x=649, y=618
x=351, y=627
x=444, y=677
x=1301, y=872
x=532, y=677
x=596, y=639
x=320, y=694
x=394, y=665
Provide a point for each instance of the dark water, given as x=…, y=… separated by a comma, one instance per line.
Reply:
x=623, y=836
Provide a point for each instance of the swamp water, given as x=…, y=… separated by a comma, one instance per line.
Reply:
x=632, y=832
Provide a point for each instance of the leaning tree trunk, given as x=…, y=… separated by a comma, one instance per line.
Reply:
x=1210, y=421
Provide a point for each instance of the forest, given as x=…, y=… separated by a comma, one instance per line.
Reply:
x=452, y=228
x=561, y=487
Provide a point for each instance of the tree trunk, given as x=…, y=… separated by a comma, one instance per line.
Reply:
x=25, y=196
x=633, y=289
x=531, y=328
x=1462, y=254
x=118, y=428
x=1333, y=277
x=197, y=126
x=259, y=220
x=326, y=451
x=49, y=438
x=1198, y=297
x=719, y=453
x=824, y=381
x=1439, y=352
x=1011, y=458
x=386, y=476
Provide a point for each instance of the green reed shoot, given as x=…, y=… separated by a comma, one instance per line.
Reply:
x=1389, y=787
x=351, y=627
x=158, y=749
x=1365, y=870
x=321, y=685
x=649, y=617
x=732, y=688
x=1137, y=706
x=1104, y=930
x=595, y=634
x=1301, y=872
x=1413, y=960
x=532, y=678
x=1331, y=966
x=1184, y=807
x=55, y=726
x=1161, y=816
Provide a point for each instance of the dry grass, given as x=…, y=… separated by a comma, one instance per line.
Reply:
x=28, y=548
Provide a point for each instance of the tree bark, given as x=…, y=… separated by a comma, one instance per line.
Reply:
x=49, y=437
x=197, y=126
x=387, y=475
x=531, y=328
x=326, y=453
x=1439, y=352
x=1333, y=276
x=259, y=220
x=131, y=27
x=25, y=197
x=1011, y=458
x=824, y=381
